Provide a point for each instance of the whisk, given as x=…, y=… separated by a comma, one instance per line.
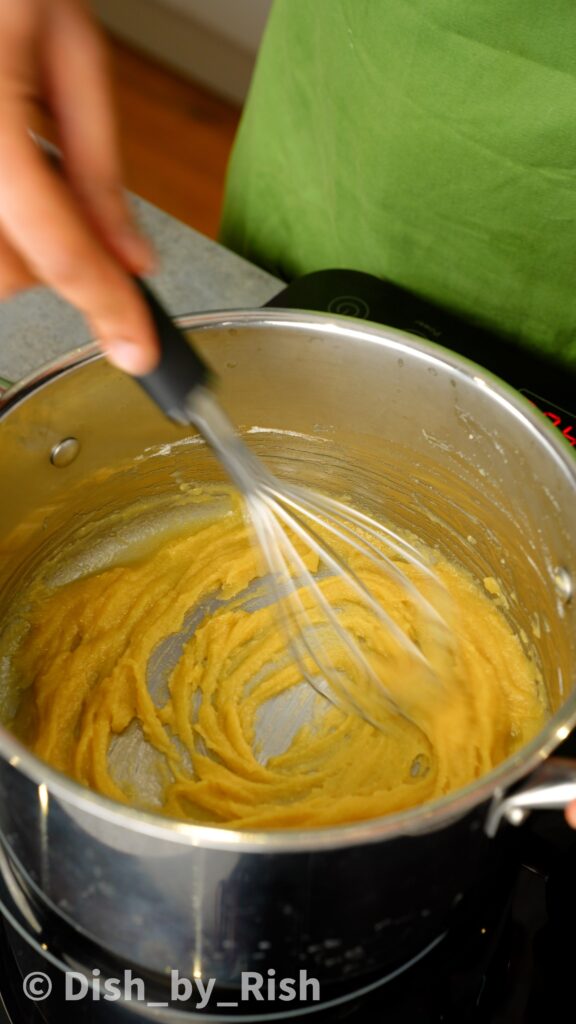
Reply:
x=306, y=539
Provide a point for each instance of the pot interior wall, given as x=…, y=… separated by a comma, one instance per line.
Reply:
x=398, y=431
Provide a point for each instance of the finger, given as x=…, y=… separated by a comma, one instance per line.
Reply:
x=44, y=223
x=571, y=814
x=14, y=274
x=80, y=97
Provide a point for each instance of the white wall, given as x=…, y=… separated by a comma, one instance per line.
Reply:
x=241, y=21
x=212, y=41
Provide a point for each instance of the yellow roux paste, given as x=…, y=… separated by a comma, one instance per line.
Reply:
x=83, y=663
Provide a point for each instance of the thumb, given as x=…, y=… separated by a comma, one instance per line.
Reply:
x=570, y=814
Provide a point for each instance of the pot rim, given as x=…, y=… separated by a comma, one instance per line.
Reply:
x=423, y=818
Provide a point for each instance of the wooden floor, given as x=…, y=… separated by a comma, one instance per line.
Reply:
x=176, y=138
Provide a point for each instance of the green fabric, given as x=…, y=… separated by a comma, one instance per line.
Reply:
x=431, y=142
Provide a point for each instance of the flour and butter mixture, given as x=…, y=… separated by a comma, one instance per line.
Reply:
x=155, y=681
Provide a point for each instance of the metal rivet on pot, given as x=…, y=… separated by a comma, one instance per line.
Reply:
x=64, y=452
x=563, y=583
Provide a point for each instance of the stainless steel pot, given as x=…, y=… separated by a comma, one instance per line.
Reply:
x=399, y=424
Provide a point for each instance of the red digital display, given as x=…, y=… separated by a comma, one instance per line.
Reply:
x=562, y=419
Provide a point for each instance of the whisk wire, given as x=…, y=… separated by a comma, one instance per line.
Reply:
x=276, y=509
x=329, y=556
x=283, y=558
x=291, y=606
x=396, y=543
x=331, y=516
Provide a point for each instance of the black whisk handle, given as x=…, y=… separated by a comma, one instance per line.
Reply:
x=180, y=369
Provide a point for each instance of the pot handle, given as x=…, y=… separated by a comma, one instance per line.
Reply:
x=551, y=787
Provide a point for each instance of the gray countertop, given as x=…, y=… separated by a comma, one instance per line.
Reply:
x=195, y=275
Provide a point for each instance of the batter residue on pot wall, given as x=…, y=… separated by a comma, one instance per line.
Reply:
x=192, y=745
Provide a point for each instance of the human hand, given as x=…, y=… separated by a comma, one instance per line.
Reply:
x=570, y=814
x=72, y=230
